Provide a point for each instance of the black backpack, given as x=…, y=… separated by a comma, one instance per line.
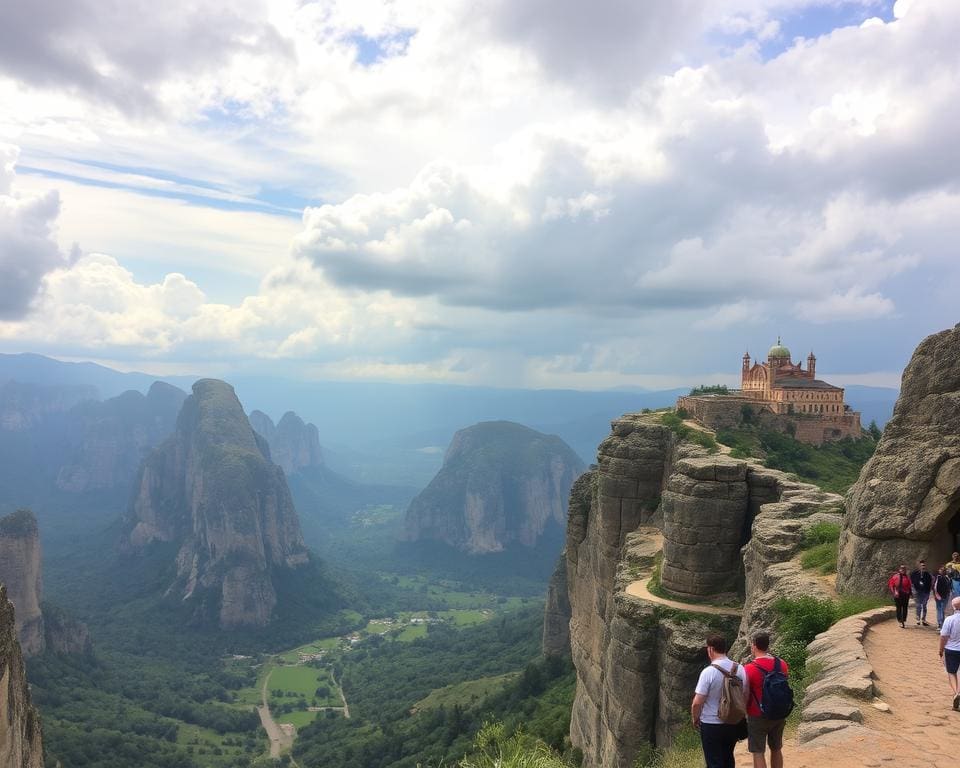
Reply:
x=776, y=700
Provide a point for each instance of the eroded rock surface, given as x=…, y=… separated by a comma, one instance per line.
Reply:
x=21, y=738
x=212, y=489
x=905, y=504
x=20, y=572
x=500, y=484
x=637, y=659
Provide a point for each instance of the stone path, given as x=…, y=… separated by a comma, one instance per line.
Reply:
x=921, y=730
x=639, y=589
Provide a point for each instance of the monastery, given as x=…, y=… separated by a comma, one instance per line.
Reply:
x=798, y=402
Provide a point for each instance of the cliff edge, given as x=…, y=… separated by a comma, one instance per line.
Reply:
x=20, y=572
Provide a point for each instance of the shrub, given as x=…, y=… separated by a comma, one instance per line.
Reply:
x=800, y=620
x=821, y=533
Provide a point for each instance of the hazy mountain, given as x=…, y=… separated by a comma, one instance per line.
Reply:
x=501, y=484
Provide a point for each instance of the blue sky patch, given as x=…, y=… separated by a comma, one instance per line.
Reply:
x=370, y=50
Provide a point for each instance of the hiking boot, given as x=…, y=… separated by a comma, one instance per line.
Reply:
x=924, y=622
x=918, y=622
x=902, y=625
x=956, y=702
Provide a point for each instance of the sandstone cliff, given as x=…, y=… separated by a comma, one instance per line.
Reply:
x=20, y=572
x=212, y=490
x=293, y=444
x=108, y=440
x=500, y=484
x=20, y=732
x=906, y=504
x=654, y=495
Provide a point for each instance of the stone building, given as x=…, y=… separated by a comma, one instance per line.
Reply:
x=812, y=409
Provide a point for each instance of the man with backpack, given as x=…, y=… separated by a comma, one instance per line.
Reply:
x=769, y=702
x=719, y=705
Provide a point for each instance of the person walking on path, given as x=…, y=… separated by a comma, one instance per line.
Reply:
x=922, y=581
x=942, y=587
x=900, y=586
x=950, y=650
x=762, y=729
x=953, y=571
x=717, y=737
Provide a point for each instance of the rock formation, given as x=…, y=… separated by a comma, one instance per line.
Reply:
x=108, y=440
x=212, y=490
x=20, y=572
x=20, y=732
x=637, y=659
x=500, y=484
x=906, y=504
x=293, y=444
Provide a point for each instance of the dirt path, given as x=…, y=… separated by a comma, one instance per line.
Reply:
x=920, y=731
x=639, y=589
x=280, y=739
x=346, y=708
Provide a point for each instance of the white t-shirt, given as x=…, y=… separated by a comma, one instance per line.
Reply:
x=951, y=630
x=710, y=685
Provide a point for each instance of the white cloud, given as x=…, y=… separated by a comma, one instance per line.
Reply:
x=853, y=304
x=28, y=250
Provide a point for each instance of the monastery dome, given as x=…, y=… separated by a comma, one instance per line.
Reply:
x=778, y=350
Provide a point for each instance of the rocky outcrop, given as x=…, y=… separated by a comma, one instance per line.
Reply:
x=556, y=613
x=637, y=656
x=21, y=739
x=501, y=484
x=20, y=572
x=212, y=489
x=294, y=445
x=108, y=440
x=906, y=503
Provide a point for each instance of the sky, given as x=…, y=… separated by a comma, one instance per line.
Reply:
x=544, y=194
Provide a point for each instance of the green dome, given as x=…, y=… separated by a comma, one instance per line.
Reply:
x=778, y=350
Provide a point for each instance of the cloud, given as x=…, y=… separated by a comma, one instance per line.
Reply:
x=28, y=250
x=853, y=304
x=120, y=52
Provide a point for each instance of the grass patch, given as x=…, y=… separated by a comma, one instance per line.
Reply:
x=820, y=543
x=822, y=558
x=833, y=466
x=802, y=619
x=465, y=694
x=674, y=421
x=412, y=632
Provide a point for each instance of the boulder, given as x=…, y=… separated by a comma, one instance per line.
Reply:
x=906, y=503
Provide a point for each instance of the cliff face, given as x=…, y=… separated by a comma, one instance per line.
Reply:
x=906, y=503
x=108, y=440
x=21, y=739
x=500, y=484
x=20, y=572
x=637, y=658
x=293, y=444
x=212, y=489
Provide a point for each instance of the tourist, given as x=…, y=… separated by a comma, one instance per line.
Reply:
x=764, y=725
x=942, y=587
x=950, y=649
x=717, y=737
x=922, y=581
x=900, y=587
x=953, y=571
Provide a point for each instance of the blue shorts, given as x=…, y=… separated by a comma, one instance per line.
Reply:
x=951, y=660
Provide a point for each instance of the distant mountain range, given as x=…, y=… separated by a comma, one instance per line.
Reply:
x=397, y=433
